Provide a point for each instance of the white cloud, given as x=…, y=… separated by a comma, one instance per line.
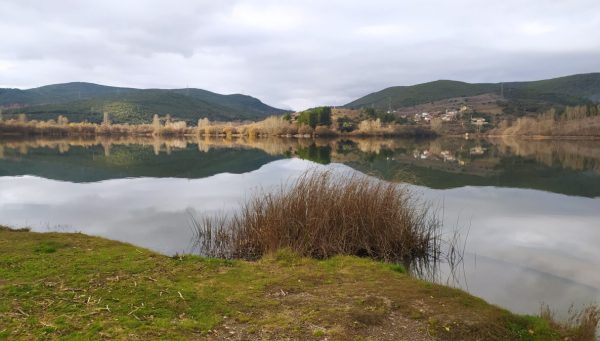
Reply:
x=265, y=18
x=536, y=28
x=385, y=31
x=5, y=66
x=294, y=53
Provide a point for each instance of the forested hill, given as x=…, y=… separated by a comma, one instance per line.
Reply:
x=569, y=90
x=87, y=101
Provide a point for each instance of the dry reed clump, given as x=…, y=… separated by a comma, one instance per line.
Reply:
x=323, y=214
x=575, y=121
x=580, y=325
x=52, y=128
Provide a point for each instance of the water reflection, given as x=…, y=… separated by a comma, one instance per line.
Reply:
x=568, y=167
x=525, y=246
x=150, y=212
x=572, y=154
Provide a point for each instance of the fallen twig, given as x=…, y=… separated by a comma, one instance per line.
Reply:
x=133, y=311
x=22, y=312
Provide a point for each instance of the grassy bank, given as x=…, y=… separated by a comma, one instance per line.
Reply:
x=80, y=287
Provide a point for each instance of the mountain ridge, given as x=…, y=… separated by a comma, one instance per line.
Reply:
x=83, y=101
x=566, y=90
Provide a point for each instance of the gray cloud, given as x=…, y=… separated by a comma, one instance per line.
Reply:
x=294, y=53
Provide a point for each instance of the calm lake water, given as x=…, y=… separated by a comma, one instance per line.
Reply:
x=530, y=210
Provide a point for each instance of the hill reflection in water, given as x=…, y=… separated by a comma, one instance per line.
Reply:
x=568, y=167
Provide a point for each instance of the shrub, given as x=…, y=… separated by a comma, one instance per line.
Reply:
x=324, y=131
x=323, y=214
x=305, y=130
x=273, y=126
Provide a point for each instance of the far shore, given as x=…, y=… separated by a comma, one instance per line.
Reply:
x=575, y=123
x=419, y=132
x=180, y=129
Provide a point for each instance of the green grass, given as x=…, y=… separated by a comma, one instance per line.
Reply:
x=48, y=246
x=77, y=287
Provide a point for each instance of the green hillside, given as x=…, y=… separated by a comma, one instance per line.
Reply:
x=584, y=85
x=85, y=101
x=570, y=90
x=404, y=96
x=57, y=93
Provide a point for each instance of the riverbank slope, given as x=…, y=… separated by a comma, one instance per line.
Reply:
x=56, y=285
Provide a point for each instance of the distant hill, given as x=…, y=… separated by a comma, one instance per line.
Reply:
x=516, y=96
x=87, y=101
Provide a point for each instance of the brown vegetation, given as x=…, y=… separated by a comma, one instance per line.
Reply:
x=581, y=324
x=579, y=121
x=324, y=214
x=271, y=126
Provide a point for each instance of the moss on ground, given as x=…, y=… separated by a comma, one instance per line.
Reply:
x=77, y=287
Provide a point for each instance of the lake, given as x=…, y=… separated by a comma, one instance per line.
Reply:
x=529, y=211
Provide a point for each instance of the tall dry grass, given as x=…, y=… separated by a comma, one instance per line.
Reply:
x=578, y=121
x=271, y=126
x=323, y=214
x=581, y=325
x=83, y=129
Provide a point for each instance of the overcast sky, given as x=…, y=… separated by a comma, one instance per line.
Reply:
x=294, y=54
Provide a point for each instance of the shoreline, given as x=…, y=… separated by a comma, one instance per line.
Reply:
x=410, y=132
x=548, y=137
x=115, y=289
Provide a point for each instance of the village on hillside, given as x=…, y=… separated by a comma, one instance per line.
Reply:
x=451, y=116
x=449, y=120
